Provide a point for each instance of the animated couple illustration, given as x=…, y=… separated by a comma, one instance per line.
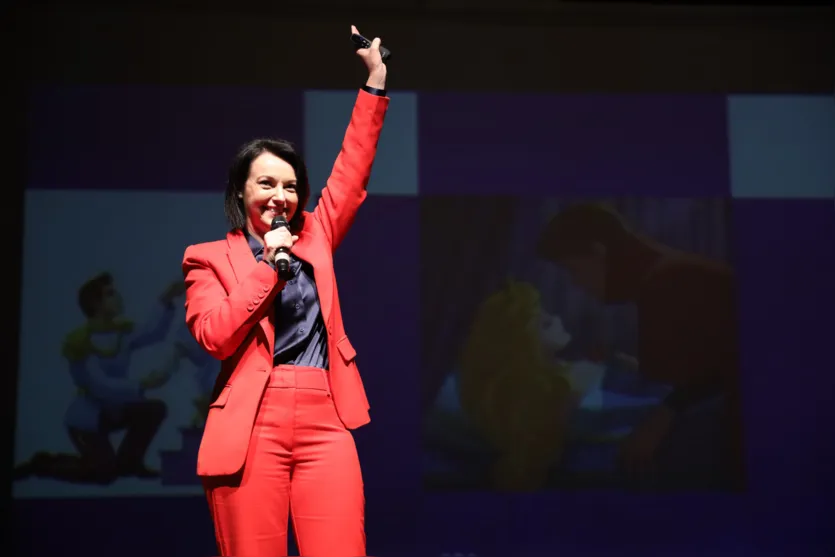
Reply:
x=520, y=396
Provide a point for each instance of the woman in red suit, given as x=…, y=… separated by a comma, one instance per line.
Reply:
x=277, y=442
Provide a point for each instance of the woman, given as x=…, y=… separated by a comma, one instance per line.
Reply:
x=277, y=437
x=521, y=408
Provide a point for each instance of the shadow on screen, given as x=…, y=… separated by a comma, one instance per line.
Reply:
x=579, y=344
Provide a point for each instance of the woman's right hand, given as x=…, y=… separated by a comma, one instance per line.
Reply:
x=276, y=239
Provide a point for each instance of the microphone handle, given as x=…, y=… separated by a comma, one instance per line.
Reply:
x=284, y=272
x=282, y=265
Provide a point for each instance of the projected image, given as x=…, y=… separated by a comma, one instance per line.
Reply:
x=572, y=343
x=113, y=390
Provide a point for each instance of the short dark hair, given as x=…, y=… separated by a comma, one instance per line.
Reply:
x=574, y=231
x=239, y=173
x=91, y=293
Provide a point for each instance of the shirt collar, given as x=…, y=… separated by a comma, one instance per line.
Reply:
x=254, y=244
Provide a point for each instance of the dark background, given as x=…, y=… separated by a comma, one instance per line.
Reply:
x=439, y=45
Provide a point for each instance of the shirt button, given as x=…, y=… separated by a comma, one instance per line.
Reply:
x=301, y=331
x=298, y=306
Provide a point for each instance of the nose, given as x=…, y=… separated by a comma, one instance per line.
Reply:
x=278, y=196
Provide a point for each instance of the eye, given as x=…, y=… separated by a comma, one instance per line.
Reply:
x=290, y=187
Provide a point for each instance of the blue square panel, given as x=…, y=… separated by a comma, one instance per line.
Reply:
x=326, y=117
x=782, y=146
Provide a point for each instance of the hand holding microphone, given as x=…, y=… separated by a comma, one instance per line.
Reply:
x=277, y=245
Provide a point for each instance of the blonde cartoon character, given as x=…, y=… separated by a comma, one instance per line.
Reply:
x=513, y=388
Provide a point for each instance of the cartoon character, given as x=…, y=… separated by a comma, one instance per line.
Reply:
x=584, y=377
x=687, y=323
x=512, y=387
x=207, y=370
x=108, y=400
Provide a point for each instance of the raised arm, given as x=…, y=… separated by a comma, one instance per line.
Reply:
x=219, y=321
x=155, y=328
x=346, y=187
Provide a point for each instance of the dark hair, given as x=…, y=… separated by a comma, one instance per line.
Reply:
x=574, y=231
x=91, y=293
x=233, y=205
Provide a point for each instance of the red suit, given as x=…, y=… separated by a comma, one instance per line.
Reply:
x=277, y=439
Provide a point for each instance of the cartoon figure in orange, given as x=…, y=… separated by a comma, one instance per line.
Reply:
x=687, y=322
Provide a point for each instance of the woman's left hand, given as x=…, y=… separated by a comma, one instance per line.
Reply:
x=374, y=62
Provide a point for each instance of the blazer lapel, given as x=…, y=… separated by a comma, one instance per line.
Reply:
x=240, y=256
x=243, y=263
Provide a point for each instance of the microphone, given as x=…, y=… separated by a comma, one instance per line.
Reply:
x=282, y=257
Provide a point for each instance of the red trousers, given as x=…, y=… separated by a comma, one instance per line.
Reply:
x=302, y=462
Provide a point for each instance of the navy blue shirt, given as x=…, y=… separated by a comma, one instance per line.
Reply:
x=300, y=335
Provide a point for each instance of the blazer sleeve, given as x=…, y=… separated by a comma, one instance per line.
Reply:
x=346, y=187
x=218, y=321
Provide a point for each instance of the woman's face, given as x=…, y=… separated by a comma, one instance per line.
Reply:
x=270, y=190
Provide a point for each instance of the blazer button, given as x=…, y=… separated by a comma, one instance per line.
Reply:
x=266, y=289
x=249, y=308
x=261, y=295
x=256, y=301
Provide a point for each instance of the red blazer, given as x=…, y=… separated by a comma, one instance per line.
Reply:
x=229, y=303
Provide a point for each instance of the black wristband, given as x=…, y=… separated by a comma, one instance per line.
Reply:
x=374, y=91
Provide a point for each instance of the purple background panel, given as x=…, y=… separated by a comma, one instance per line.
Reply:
x=786, y=268
x=381, y=313
x=377, y=269
x=616, y=145
x=150, y=137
